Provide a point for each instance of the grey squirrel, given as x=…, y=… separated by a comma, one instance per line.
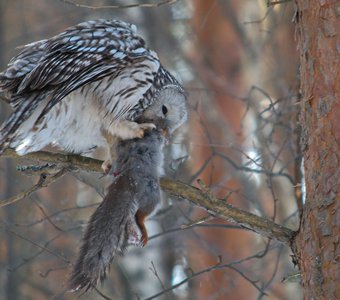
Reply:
x=133, y=195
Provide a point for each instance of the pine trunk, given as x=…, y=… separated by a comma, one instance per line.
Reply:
x=318, y=242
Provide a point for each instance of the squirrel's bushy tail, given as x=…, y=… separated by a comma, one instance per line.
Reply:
x=107, y=235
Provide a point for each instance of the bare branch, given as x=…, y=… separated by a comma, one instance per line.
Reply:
x=219, y=208
x=213, y=205
x=207, y=270
x=44, y=181
x=275, y=2
x=42, y=247
x=139, y=5
x=64, y=160
x=217, y=266
x=28, y=259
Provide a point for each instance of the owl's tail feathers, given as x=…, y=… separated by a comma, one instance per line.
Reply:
x=108, y=234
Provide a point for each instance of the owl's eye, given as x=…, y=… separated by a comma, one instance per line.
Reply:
x=164, y=110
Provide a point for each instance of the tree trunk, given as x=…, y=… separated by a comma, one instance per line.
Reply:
x=318, y=242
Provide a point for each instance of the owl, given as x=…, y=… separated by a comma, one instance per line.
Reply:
x=85, y=88
x=132, y=197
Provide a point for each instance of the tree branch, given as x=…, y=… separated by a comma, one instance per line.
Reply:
x=73, y=161
x=220, y=208
x=139, y=5
x=44, y=181
x=207, y=201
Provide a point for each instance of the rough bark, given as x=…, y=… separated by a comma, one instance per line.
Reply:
x=318, y=243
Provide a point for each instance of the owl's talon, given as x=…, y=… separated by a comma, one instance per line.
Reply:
x=145, y=127
x=106, y=166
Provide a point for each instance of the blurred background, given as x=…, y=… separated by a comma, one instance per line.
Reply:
x=238, y=62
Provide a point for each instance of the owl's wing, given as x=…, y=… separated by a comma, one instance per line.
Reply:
x=21, y=65
x=82, y=54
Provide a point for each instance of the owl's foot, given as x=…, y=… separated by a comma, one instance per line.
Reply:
x=106, y=166
x=126, y=130
x=145, y=127
x=139, y=129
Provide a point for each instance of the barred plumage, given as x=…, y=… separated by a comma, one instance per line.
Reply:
x=81, y=86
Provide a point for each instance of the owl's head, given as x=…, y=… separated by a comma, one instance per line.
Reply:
x=169, y=110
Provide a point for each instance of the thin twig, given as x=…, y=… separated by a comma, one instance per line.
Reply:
x=209, y=269
x=47, y=216
x=44, y=181
x=139, y=5
x=197, y=222
x=275, y=2
x=39, y=252
x=185, y=227
x=214, y=267
x=42, y=247
x=154, y=271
